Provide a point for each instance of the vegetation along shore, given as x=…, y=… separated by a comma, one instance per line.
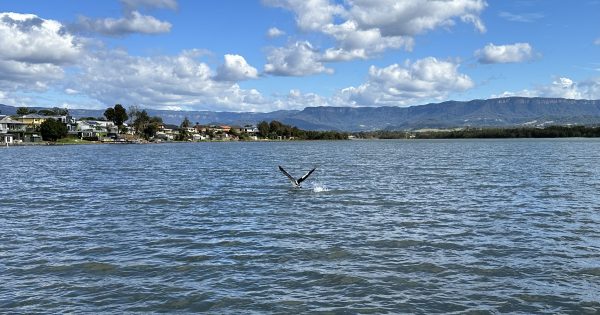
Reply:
x=487, y=133
x=134, y=125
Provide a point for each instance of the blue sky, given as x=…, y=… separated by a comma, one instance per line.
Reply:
x=233, y=55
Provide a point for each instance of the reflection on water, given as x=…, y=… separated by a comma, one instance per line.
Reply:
x=381, y=226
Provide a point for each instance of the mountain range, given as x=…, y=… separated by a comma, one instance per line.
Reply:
x=497, y=112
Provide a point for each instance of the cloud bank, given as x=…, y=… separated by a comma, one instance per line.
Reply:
x=562, y=87
x=369, y=27
x=398, y=85
x=33, y=51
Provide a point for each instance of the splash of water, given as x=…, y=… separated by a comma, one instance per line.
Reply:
x=318, y=187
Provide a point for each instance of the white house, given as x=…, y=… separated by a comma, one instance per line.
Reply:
x=250, y=129
x=6, y=138
x=15, y=128
x=94, y=128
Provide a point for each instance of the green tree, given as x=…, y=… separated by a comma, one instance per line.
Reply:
x=263, y=129
x=53, y=130
x=152, y=127
x=118, y=115
x=54, y=111
x=25, y=111
x=183, y=129
x=141, y=121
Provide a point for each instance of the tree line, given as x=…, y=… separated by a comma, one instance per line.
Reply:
x=489, y=133
x=276, y=130
x=147, y=126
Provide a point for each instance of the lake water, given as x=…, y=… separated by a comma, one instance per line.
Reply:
x=483, y=226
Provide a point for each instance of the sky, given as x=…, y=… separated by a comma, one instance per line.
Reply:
x=267, y=55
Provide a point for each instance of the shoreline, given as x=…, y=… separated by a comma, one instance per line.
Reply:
x=50, y=144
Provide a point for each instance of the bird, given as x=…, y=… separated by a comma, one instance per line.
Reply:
x=296, y=182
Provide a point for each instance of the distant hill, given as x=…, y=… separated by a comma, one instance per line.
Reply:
x=7, y=110
x=499, y=112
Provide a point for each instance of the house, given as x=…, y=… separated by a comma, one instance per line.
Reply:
x=15, y=128
x=201, y=128
x=162, y=135
x=250, y=129
x=3, y=126
x=32, y=120
x=191, y=130
x=94, y=129
x=37, y=119
x=199, y=137
x=6, y=138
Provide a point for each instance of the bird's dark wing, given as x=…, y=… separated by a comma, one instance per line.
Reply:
x=301, y=179
x=288, y=175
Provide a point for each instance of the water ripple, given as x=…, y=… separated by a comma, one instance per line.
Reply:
x=382, y=227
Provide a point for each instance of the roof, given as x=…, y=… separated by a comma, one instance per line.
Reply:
x=35, y=116
x=8, y=120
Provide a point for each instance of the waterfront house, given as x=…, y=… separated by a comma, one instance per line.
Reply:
x=162, y=135
x=6, y=138
x=36, y=119
x=3, y=126
x=15, y=128
x=33, y=121
x=94, y=129
x=250, y=129
x=198, y=137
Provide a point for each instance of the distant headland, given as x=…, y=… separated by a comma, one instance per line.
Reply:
x=511, y=117
x=509, y=112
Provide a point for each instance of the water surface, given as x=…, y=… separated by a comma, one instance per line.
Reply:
x=380, y=227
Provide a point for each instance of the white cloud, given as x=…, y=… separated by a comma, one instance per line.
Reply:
x=30, y=39
x=28, y=76
x=33, y=52
x=562, y=87
x=523, y=18
x=275, y=32
x=402, y=18
x=400, y=85
x=134, y=22
x=597, y=41
x=298, y=59
x=355, y=43
x=369, y=27
x=180, y=81
x=518, y=52
x=235, y=68
x=165, y=4
x=311, y=15
x=298, y=100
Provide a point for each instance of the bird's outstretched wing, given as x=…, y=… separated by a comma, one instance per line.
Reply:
x=301, y=179
x=292, y=179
